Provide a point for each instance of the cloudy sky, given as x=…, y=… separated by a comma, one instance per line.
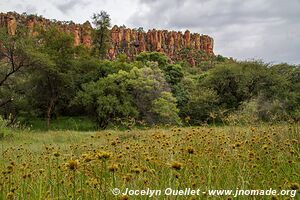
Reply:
x=256, y=29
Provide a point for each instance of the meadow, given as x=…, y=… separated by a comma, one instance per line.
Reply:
x=88, y=165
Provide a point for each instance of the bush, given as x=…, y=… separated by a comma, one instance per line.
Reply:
x=246, y=114
x=201, y=104
x=258, y=110
x=130, y=94
x=165, y=108
x=3, y=127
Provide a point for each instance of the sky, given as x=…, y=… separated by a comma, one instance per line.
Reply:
x=268, y=30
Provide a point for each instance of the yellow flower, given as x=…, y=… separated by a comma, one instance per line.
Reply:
x=73, y=164
x=176, y=165
x=295, y=186
x=113, y=168
x=10, y=195
x=103, y=155
x=190, y=150
x=56, y=154
x=124, y=197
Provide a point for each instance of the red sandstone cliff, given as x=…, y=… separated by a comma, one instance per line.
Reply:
x=123, y=40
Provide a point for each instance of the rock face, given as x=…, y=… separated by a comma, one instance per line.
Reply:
x=9, y=21
x=123, y=40
x=131, y=41
x=82, y=33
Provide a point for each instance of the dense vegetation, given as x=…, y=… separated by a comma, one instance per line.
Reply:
x=46, y=77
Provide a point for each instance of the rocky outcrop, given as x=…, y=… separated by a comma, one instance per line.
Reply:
x=131, y=41
x=82, y=33
x=122, y=39
x=9, y=21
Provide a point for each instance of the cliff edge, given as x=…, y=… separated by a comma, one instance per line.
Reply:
x=122, y=39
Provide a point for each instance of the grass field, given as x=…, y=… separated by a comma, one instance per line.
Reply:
x=88, y=165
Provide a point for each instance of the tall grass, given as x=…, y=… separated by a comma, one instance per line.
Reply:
x=61, y=124
x=88, y=165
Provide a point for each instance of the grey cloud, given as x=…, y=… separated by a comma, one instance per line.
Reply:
x=267, y=29
x=67, y=6
x=31, y=9
x=209, y=13
x=21, y=7
x=174, y=2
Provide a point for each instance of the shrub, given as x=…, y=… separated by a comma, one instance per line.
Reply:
x=3, y=127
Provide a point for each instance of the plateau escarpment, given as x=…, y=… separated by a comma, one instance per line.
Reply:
x=122, y=39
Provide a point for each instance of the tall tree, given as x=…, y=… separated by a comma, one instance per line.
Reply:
x=18, y=56
x=141, y=93
x=53, y=78
x=102, y=24
x=15, y=58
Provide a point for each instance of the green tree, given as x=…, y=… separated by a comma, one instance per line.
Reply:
x=136, y=94
x=174, y=76
x=173, y=73
x=166, y=110
x=18, y=57
x=161, y=59
x=107, y=99
x=288, y=94
x=200, y=102
x=53, y=78
x=15, y=58
x=273, y=89
x=237, y=82
x=102, y=24
x=146, y=84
